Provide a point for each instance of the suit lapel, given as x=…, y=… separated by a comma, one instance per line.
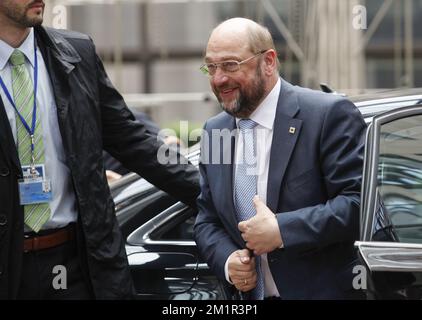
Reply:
x=60, y=59
x=60, y=85
x=7, y=142
x=285, y=135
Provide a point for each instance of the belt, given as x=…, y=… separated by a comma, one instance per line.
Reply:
x=50, y=240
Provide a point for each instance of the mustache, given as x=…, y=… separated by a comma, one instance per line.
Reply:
x=36, y=2
x=227, y=87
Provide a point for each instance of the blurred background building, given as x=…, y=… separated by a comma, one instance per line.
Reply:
x=152, y=50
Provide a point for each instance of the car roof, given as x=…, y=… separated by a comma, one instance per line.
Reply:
x=375, y=103
x=386, y=94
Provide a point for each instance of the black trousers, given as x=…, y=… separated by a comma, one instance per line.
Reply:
x=54, y=273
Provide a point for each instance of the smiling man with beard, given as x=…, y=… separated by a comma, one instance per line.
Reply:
x=59, y=236
x=280, y=220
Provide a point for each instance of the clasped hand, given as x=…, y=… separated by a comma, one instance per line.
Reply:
x=242, y=271
x=261, y=232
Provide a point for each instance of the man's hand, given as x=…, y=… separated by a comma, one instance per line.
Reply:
x=242, y=272
x=261, y=232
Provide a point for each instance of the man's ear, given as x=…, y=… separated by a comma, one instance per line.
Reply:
x=270, y=62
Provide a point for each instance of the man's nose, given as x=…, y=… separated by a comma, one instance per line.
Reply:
x=219, y=77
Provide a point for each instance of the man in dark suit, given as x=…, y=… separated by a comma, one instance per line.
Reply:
x=59, y=237
x=279, y=203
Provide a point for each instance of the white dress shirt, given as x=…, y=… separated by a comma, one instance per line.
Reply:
x=264, y=116
x=63, y=204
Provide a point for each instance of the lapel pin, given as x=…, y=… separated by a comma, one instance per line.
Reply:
x=292, y=130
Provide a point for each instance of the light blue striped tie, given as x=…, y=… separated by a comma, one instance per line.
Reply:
x=245, y=189
x=36, y=215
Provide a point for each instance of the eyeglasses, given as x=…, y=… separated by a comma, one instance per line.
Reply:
x=226, y=66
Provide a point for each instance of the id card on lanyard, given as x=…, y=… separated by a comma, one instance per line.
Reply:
x=34, y=187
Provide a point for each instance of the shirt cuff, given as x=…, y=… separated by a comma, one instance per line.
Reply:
x=282, y=243
x=226, y=271
x=281, y=237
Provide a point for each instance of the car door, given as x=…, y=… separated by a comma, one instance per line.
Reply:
x=390, y=245
x=164, y=260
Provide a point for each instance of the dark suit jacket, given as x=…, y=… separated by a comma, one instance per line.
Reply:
x=92, y=116
x=314, y=184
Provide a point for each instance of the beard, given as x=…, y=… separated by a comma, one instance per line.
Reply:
x=19, y=13
x=248, y=99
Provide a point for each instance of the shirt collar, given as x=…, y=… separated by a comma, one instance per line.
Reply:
x=264, y=115
x=27, y=48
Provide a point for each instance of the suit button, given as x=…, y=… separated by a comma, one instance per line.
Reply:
x=4, y=172
x=3, y=220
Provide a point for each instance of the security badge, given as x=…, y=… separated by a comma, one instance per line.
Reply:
x=34, y=187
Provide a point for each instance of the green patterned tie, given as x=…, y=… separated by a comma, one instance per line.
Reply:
x=36, y=215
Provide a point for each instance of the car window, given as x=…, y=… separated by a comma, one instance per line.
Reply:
x=181, y=231
x=180, y=228
x=400, y=176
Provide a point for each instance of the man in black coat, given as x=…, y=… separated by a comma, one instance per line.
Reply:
x=78, y=114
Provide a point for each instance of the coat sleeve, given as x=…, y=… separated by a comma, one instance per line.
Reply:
x=141, y=151
x=341, y=160
x=213, y=241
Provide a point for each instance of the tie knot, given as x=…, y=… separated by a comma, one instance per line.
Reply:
x=245, y=124
x=17, y=58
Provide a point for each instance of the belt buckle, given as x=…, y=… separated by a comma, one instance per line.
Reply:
x=35, y=241
x=27, y=237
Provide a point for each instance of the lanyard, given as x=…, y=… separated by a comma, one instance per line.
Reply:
x=30, y=130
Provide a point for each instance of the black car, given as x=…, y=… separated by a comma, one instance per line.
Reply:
x=159, y=230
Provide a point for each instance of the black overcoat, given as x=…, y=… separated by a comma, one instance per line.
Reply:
x=92, y=116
